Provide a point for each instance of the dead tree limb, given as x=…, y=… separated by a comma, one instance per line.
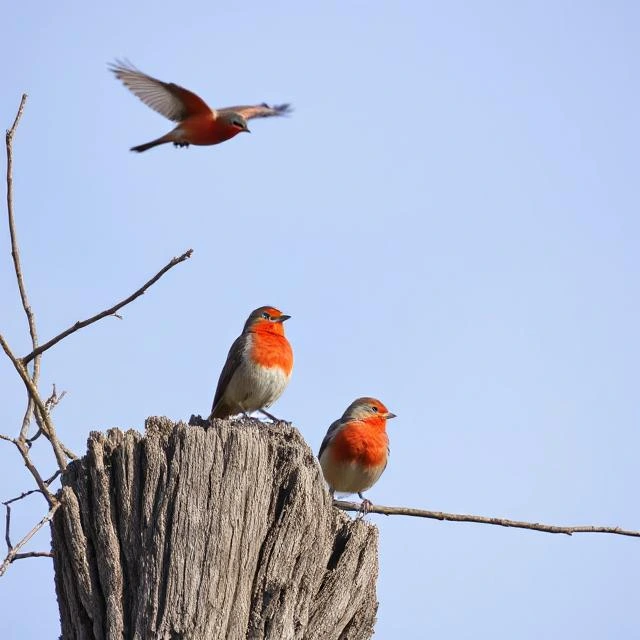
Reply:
x=502, y=522
x=17, y=264
x=14, y=552
x=107, y=312
x=33, y=470
x=43, y=418
x=15, y=253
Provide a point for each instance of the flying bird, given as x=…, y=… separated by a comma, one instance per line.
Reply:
x=258, y=367
x=354, y=452
x=198, y=123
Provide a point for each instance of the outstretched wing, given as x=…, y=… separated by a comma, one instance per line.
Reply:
x=169, y=99
x=260, y=110
x=333, y=430
x=230, y=366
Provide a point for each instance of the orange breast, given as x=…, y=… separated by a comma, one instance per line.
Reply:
x=202, y=129
x=366, y=443
x=272, y=350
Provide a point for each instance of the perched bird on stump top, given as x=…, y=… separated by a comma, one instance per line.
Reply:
x=354, y=452
x=258, y=367
x=197, y=122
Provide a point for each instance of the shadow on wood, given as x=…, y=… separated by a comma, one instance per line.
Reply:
x=192, y=533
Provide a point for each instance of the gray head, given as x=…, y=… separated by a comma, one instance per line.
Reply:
x=235, y=121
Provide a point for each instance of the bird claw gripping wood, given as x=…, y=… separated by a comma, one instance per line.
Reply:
x=365, y=506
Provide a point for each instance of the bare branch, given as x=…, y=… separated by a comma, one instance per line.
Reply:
x=107, y=312
x=43, y=485
x=42, y=416
x=23, y=495
x=503, y=522
x=7, y=527
x=15, y=251
x=17, y=265
x=32, y=554
x=48, y=481
x=50, y=403
x=33, y=438
x=26, y=420
x=7, y=503
x=68, y=452
x=14, y=552
x=54, y=399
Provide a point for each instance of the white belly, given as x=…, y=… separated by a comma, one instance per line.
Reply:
x=349, y=477
x=254, y=387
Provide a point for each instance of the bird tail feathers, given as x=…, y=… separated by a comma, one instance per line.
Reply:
x=154, y=143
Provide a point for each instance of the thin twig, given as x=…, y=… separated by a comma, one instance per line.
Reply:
x=15, y=551
x=503, y=522
x=43, y=486
x=50, y=480
x=15, y=251
x=107, y=312
x=17, y=264
x=49, y=404
x=33, y=438
x=68, y=452
x=7, y=527
x=49, y=431
x=42, y=416
x=54, y=399
x=23, y=495
x=8, y=503
x=32, y=554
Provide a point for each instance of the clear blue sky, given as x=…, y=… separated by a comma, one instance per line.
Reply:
x=451, y=216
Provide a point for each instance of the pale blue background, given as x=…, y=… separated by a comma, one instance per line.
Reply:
x=451, y=217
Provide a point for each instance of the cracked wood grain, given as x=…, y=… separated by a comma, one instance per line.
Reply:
x=226, y=532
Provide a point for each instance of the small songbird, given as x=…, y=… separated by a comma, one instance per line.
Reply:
x=354, y=452
x=197, y=122
x=258, y=367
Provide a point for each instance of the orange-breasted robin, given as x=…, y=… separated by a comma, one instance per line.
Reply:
x=197, y=122
x=354, y=452
x=258, y=366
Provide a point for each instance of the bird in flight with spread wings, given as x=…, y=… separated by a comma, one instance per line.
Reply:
x=197, y=122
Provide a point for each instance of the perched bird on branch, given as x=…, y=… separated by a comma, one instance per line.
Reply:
x=354, y=452
x=258, y=367
x=197, y=122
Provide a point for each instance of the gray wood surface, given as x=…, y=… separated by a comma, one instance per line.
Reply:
x=194, y=533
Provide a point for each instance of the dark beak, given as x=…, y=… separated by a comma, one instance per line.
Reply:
x=390, y=415
x=282, y=318
x=247, y=130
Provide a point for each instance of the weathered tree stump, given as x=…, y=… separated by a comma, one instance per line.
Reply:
x=193, y=533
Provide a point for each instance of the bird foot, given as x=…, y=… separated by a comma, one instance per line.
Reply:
x=180, y=144
x=271, y=417
x=365, y=506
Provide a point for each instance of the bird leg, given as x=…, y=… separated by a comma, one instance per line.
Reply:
x=266, y=413
x=365, y=506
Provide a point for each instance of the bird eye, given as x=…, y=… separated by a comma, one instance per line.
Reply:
x=266, y=316
x=239, y=124
x=374, y=409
